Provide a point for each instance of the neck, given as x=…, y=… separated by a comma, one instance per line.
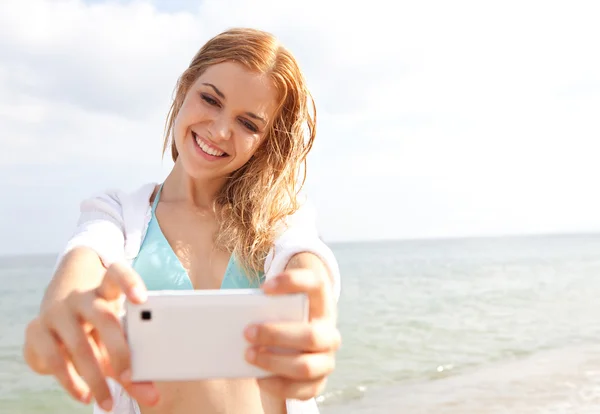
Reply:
x=198, y=192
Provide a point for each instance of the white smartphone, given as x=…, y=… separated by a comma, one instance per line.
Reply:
x=199, y=334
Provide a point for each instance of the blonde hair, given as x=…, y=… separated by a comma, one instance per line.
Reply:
x=257, y=197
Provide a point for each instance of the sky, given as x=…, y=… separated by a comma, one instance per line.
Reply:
x=435, y=118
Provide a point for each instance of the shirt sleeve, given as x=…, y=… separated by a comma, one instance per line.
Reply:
x=100, y=227
x=300, y=235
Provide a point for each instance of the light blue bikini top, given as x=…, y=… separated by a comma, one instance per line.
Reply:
x=160, y=268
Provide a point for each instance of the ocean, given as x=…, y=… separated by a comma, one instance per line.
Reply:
x=495, y=325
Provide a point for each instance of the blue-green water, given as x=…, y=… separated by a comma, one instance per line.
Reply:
x=507, y=325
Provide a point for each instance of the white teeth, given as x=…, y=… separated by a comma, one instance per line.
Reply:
x=208, y=149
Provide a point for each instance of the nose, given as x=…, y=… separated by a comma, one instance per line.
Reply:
x=220, y=128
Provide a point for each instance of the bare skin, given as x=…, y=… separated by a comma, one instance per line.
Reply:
x=194, y=229
x=77, y=336
x=298, y=377
x=218, y=396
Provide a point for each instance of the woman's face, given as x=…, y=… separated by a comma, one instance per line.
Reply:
x=223, y=120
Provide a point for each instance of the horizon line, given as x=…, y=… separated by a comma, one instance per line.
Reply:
x=394, y=240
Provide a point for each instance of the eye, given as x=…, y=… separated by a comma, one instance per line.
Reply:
x=249, y=125
x=210, y=100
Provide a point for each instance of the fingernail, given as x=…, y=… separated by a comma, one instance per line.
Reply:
x=126, y=376
x=251, y=332
x=251, y=355
x=86, y=397
x=106, y=405
x=144, y=393
x=139, y=294
x=270, y=284
x=151, y=395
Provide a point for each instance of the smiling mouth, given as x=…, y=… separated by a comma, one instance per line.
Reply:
x=207, y=149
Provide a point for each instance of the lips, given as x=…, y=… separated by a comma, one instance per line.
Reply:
x=207, y=148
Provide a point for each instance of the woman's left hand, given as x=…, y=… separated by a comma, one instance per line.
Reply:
x=302, y=373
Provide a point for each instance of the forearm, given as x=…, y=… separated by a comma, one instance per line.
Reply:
x=309, y=261
x=79, y=269
x=98, y=240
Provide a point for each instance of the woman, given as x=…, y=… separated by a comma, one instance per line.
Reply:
x=227, y=216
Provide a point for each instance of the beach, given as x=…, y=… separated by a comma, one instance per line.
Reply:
x=490, y=325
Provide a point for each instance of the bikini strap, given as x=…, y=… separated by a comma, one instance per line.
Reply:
x=156, y=198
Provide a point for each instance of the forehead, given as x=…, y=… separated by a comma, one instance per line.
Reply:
x=243, y=89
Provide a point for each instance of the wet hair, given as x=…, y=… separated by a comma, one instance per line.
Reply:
x=256, y=199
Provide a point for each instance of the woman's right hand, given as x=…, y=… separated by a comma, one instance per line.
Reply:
x=81, y=342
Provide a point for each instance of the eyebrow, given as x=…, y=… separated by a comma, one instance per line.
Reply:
x=222, y=96
x=217, y=91
x=251, y=115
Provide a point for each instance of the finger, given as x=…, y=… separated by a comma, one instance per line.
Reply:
x=81, y=351
x=317, y=336
x=303, y=367
x=102, y=355
x=50, y=360
x=145, y=393
x=120, y=278
x=70, y=379
x=33, y=349
x=315, y=284
x=108, y=334
x=287, y=388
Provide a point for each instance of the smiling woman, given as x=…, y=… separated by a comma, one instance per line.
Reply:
x=227, y=216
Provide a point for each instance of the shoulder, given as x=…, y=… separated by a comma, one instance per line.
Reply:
x=116, y=202
x=109, y=220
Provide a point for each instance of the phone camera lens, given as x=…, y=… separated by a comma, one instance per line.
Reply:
x=146, y=315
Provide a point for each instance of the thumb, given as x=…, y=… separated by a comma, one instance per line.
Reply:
x=122, y=279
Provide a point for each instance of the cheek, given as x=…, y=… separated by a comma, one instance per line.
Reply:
x=249, y=146
x=176, y=128
x=184, y=116
x=180, y=127
x=179, y=123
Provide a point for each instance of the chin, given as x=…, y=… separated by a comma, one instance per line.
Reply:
x=197, y=170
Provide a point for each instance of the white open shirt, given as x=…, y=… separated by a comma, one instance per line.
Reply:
x=114, y=224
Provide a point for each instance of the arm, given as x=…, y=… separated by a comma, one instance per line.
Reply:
x=302, y=374
x=79, y=269
x=310, y=261
x=299, y=263
x=77, y=336
x=97, y=242
x=299, y=246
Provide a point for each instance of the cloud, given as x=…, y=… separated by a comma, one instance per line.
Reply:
x=120, y=59
x=449, y=117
